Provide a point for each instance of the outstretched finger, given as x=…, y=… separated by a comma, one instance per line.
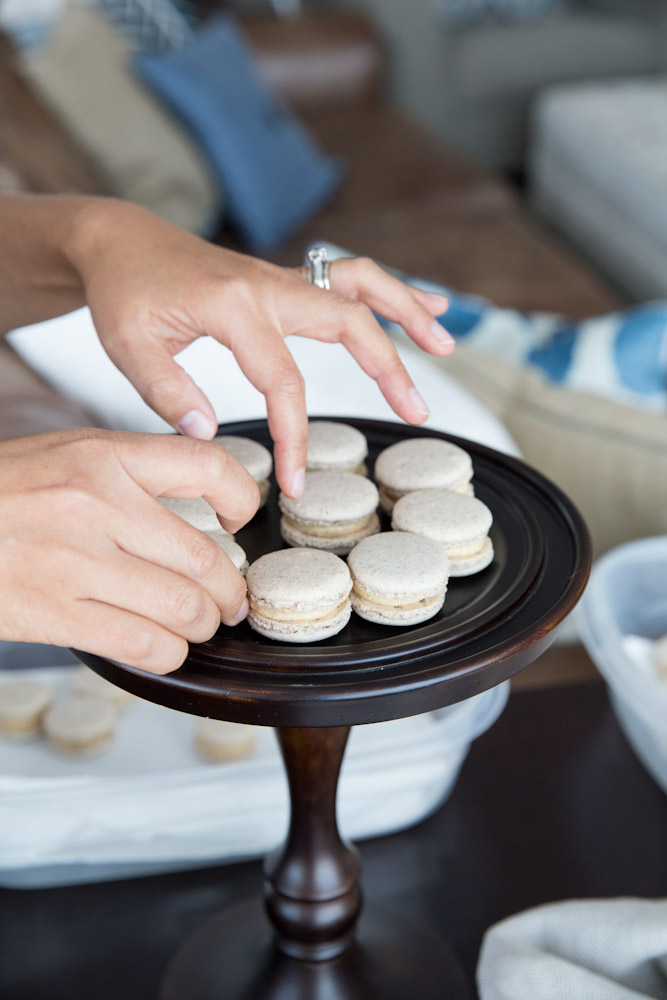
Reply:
x=361, y=279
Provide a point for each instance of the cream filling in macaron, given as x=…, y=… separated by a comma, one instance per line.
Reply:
x=314, y=615
x=394, y=600
x=389, y=497
x=332, y=529
x=360, y=600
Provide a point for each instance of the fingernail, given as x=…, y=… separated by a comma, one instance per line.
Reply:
x=440, y=333
x=242, y=612
x=298, y=483
x=439, y=299
x=194, y=424
x=417, y=401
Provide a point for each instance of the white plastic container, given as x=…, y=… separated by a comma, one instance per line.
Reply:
x=627, y=595
x=150, y=804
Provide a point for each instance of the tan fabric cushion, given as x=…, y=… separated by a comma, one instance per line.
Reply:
x=609, y=458
x=84, y=75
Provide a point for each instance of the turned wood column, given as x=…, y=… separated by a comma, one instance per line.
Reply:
x=312, y=893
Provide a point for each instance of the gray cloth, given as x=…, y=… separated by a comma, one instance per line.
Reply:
x=578, y=950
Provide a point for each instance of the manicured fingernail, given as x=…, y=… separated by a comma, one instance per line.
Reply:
x=242, y=612
x=441, y=334
x=417, y=401
x=438, y=299
x=194, y=424
x=298, y=483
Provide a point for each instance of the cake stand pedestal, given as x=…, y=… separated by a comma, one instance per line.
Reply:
x=315, y=945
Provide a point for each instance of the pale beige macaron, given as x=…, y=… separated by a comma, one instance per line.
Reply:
x=299, y=595
x=398, y=578
x=660, y=656
x=334, y=512
x=22, y=706
x=459, y=523
x=223, y=741
x=254, y=457
x=196, y=511
x=421, y=463
x=340, y=447
x=79, y=725
x=87, y=684
x=231, y=548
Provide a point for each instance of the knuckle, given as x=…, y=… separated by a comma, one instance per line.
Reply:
x=289, y=379
x=204, y=557
x=184, y=605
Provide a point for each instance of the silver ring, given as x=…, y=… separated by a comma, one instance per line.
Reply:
x=318, y=268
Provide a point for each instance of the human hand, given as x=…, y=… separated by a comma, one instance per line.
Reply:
x=88, y=558
x=153, y=289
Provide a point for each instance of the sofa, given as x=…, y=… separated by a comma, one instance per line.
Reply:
x=417, y=206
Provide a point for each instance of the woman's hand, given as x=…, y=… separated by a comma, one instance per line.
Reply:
x=153, y=289
x=89, y=559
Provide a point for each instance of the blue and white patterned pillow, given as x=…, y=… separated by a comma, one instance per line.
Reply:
x=621, y=356
x=151, y=25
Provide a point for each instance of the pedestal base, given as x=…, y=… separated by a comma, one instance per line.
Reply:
x=234, y=957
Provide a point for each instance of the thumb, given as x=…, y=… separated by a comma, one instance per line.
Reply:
x=165, y=386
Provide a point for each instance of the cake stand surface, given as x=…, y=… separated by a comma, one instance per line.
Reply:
x=492, y=625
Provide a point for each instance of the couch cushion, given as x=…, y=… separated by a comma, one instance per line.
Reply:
x=83, y=75
x=274, y=175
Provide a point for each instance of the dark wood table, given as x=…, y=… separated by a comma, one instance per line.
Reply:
x=551, y=804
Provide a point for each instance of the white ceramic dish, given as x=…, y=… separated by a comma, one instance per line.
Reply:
x=627, y=596
x=150, y=804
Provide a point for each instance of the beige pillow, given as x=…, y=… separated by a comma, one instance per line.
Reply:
x=83, y=73
x=610, y=459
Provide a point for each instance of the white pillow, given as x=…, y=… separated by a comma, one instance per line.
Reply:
x=67, y=353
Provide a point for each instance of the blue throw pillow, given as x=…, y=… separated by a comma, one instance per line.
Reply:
x=622, y=356
x=273, y=175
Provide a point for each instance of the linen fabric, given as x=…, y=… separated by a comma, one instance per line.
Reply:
x=612, y=949
x=84, y=77
x=273, y=174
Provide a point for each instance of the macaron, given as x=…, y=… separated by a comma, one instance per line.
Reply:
x=298, y=595
x=22, y=705
x=458, y=522
x=398, y=578
x=86, y=683
x=231, y=548
x=336, y=446
x=223, y=741
x=421, y=463
x=79, y=725
x=334, y=512
x=195, y=510
x=254, y=457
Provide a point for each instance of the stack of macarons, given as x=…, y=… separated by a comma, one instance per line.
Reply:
x=399, y=577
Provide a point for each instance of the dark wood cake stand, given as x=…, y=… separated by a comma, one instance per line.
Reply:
x=492, y=625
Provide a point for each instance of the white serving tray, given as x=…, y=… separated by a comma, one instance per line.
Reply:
x=149, y=803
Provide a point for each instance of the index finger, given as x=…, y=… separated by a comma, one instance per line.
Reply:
x=175, y=466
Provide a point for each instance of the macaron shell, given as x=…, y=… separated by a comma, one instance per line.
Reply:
x=257, y=459
x=194, y=510
x=444, y=515
x=222, y=741
x=22, y=705
x=420, y=463
x=79, y=725
x=298, y=580
x=301, y=631
x=467, y=565
x=331, y=497
x=383, y=614
x=396, y=567
x=333, y=445
x=340, y=545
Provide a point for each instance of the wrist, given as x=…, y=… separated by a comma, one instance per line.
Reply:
x=96, y=225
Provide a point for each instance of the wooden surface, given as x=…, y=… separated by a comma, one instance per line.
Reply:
x=551, y=804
